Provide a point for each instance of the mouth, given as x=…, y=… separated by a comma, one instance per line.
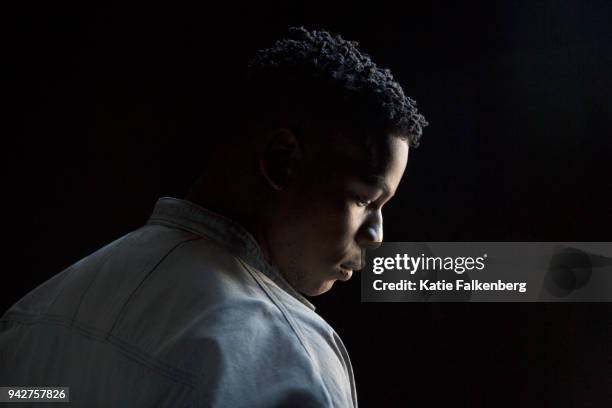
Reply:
x=351, y=266
x=344, y=273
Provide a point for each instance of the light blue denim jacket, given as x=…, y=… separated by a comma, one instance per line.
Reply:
x=182, y=312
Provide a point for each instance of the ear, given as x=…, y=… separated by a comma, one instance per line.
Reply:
x=279, y=158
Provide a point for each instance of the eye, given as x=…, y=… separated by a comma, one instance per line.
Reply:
x=362, y=202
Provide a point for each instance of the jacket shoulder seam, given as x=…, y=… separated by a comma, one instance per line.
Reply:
x=289, y=320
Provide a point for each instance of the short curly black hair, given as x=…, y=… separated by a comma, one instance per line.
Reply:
x=316, y=75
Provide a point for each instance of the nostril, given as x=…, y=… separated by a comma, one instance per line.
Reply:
x=372, y=234
x=369, y=238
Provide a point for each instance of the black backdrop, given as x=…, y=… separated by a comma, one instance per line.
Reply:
x=518, y=97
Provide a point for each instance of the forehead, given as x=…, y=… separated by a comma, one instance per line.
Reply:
x=371, y=155
x=371, y=163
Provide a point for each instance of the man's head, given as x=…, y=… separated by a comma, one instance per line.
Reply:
x=328, y=134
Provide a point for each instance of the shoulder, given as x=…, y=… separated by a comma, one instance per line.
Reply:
x=251, y=357
x=242, y=352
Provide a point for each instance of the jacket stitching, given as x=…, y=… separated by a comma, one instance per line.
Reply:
x=289, y=320
x=129, y=351
x=123, y=308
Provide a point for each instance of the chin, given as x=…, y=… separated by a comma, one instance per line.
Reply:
x=320, y=288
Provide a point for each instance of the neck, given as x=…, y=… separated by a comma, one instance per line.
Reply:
x=232, y=195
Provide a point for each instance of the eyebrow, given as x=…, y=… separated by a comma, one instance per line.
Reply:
x=377, y=181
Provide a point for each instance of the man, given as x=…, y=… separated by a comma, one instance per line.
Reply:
x=204, y=305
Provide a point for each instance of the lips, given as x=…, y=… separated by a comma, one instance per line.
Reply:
x=345, y=270
x=344, y=274
x=351, y=266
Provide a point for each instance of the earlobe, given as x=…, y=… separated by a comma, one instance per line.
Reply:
x=278, y=159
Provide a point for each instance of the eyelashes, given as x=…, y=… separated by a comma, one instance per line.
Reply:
x=362, y=202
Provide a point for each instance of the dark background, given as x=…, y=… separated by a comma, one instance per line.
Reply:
x=518, y=149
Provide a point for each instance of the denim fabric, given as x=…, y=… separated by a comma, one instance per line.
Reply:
x=182, y=312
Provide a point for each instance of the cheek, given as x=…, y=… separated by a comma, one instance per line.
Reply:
x=342, y=225
x=325, y=214
x=326, y=229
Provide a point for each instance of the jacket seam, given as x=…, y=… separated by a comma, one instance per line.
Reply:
x=125, y=304
x=170, y=223
x=138, y=356
x=51, y=302
x=290, y=321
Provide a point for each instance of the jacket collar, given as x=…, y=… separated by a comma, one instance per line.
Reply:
x=227, y=232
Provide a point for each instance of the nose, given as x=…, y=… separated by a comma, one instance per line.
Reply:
x=371, y=234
